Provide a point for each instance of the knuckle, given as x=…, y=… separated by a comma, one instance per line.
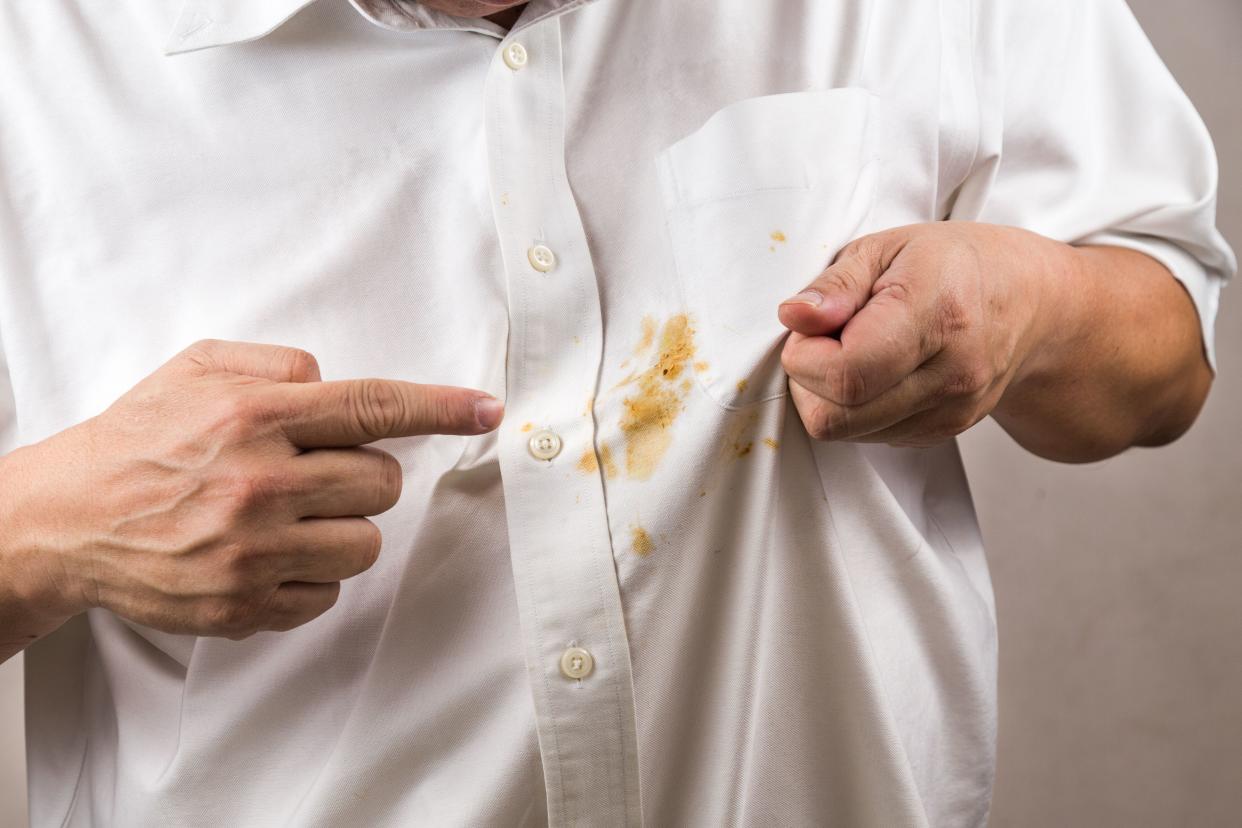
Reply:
x=230, y=617
x=826, y=422
x=966, y=380
x=200, y=353
x=376, y=408
x=236, y=415
x=847, y=384
x=250, y=491
x=952, y=318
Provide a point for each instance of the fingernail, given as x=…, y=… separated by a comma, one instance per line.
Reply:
x=488, y=411
x=807, y=297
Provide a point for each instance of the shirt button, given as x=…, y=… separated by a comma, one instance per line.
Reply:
x=515, y=56
x=577, y=663
x=544, y=445
x=541, y=258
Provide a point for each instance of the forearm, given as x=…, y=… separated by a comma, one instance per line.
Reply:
x=31, y=602
x=1118, y=360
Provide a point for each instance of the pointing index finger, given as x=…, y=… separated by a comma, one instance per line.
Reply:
x=344, y=413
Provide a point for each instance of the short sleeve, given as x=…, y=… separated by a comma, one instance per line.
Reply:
x=1088, y=139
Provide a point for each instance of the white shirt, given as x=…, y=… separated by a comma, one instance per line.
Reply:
x=593, y=216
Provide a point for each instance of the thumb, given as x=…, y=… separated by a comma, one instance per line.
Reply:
x=824, y=306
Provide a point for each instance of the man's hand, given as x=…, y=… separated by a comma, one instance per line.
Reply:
x=224, y=494
x=915, y=334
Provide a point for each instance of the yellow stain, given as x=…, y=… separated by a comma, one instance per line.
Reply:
x=610, y=465
x=778, y=236
x=641, y=542
x=528, y=427
x=650, y=412
x=770, y=443
x=741, y=385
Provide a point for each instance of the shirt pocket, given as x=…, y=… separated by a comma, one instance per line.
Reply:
x=758, y=201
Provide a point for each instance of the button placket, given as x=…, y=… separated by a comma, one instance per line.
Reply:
x=564, y=570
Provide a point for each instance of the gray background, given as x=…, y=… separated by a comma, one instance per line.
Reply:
x=1117, y=584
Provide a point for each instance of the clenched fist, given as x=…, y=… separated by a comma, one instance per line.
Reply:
x=226, y=493
x=913, y=335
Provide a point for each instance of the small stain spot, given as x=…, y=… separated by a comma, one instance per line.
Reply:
x=702, y=492
x=771, y=248
x=527, y=427
x=577, y=340
x=741, y=385
x=587, y=464
x=778, y=237
x=701, y=366
x=586, y=409
x=610, y=465
x=648, y=336
x=504, y=199
x=770, y=443
x=743, y=450
x=641, y=542
x=685, y=385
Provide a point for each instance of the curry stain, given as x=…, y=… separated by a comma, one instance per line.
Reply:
x=610, y=465
x=739, y=435
x=685, y=385
x=649, y=334
x=649, y=413
x=770, y=443
x=779, y=237
x=641, y=542
x=589, y=462
x=526, y=427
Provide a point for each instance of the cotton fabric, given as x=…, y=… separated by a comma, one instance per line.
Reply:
x=784, y=631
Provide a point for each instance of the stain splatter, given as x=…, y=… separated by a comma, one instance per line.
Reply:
x=701, y=366
x=739, y=437
x=610, y=465
x=641, y=542
x=770, y=443
x=649, y=413
x=589, y=462
x=649, y=334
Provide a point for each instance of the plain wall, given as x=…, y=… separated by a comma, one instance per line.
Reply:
x=1118, y=584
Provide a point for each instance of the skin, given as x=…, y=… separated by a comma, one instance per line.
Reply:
x=475, y=8
x=225, y=494
x=915, y=334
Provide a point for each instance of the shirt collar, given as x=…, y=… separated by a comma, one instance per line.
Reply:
x=203, y=24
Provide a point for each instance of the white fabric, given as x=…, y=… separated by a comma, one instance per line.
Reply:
x=783, y=632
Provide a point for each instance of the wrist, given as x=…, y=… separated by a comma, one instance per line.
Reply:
x=35, y=576
x=1058, y=294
